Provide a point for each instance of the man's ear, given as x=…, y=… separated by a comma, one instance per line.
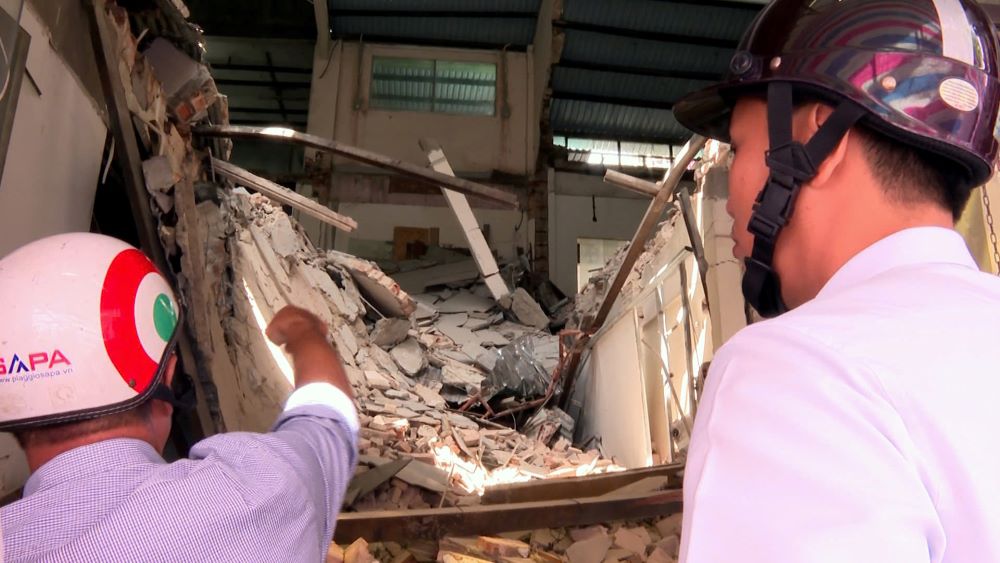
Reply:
x=168, y=374
x=807, y=121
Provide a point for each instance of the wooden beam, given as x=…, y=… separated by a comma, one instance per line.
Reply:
x=283, y=195
x=432, y=524
x=459, y=205
x=361, y=155
x=589, y=486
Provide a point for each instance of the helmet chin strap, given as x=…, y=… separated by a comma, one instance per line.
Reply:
x=791, y=164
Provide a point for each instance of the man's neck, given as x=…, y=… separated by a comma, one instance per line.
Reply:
x=855, y=236
x=41, y=453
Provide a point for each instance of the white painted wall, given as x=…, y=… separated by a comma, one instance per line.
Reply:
x=339, y=109
x=615, y=407
x=376, y=222
x=55, y=149
x=51, y=171
x=571, y=218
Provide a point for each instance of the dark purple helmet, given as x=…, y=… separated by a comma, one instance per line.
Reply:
x=922, y=72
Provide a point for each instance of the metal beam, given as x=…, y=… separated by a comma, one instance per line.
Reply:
x=748, y=7
x=321, y=12
x=261, y=68
x=648, y=35
x=613, y=100
x=635, y=248
x=429, y=42
x=260, y=123
x=642, y=71
x=430, y=13
x=283, y=195
x=267, y=111
x=649, y=222
x=361, y=155
x=433, y=524
x=264, y=84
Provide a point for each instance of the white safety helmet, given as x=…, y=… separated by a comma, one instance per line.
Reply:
x=88, y=326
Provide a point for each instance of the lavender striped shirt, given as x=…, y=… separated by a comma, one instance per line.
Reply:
x=239, y=497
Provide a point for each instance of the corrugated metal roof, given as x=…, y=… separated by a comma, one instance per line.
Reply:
x=500, y=31
x=644, y=53
x=436, y=5
x=657, y=16
x=571, y=117
x=622, y=85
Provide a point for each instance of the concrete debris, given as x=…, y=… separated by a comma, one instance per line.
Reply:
x=188, y=85
x=390, y=331
x=410, y=357
x=417, y=281
x=547, y=425
x=382, y=291
x=590, y=298
x=242, y=259
x=595, y=544
x=462, y=376
x=465, y=302
x=526, y=309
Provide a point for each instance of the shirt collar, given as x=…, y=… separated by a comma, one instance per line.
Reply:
x=91, y=459
x=919, y=245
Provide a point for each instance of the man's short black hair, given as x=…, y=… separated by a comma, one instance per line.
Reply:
x=911, y=175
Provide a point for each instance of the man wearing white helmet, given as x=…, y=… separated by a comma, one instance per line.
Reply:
x=86, y=364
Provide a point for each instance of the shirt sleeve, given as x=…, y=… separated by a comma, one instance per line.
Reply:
x=797, y=456
x=298, y=472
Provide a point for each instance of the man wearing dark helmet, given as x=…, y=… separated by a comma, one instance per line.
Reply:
x=856, y=423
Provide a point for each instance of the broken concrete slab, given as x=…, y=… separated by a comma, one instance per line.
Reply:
x=487, y=360
x=431, y=397
x=409, y=356
x=390, y=331
x=461, y=376
x=491, y=338
x=417, y=281
x=381, y=290
x=592, y=550
x=465, y=302
x=526, y=309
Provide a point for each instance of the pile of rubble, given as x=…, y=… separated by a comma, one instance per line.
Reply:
x=443, y=379
x=414, y=363
x=636, y=542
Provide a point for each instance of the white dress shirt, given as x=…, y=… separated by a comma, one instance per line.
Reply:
x=863, y=426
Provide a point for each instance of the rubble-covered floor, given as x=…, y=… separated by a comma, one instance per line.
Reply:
x=652, y=541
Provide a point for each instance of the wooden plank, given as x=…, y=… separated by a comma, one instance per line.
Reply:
x=399, y=525
x=459, y=205
x=642, y=486
x=400, y=167
x=579, y=487
x=283, y=195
